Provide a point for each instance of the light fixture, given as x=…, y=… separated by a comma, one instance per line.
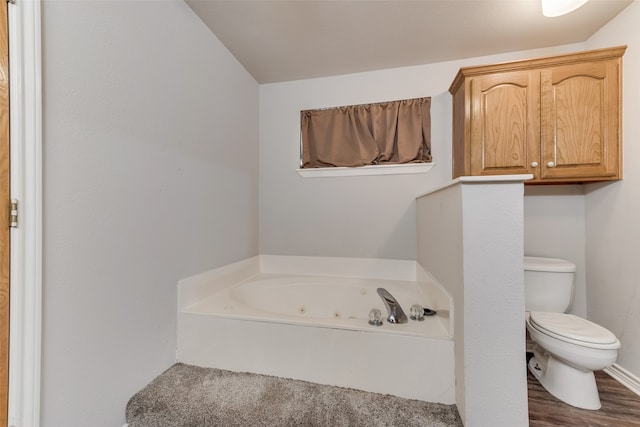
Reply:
x=552, y=8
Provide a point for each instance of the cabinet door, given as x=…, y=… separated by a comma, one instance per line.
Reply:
x=505, y=120
x=580, y=121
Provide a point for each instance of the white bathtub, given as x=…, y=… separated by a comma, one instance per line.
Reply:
x=306, y=318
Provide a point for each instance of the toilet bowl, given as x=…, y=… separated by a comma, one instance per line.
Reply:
x=567, y=349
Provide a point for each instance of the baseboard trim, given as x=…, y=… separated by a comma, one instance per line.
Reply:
x=624, y=377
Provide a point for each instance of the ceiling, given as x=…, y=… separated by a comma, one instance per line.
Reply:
x=291, y=40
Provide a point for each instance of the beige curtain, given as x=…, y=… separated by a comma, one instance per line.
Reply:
x=372, y=134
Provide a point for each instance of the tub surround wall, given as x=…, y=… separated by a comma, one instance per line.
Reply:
x=612, y=211
x=150, y=137
x=470, y=237
x=374, y=268
x=195, y=288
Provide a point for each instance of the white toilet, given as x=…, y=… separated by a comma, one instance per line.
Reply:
x=567, y=348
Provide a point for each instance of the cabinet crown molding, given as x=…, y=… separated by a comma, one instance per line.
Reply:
x=542, y=62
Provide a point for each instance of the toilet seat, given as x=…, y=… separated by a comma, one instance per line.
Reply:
x=574, y=330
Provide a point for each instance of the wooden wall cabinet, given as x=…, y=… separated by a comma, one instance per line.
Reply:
x=557, y=117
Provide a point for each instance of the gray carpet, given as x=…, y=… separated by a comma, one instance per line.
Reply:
x=187, y=395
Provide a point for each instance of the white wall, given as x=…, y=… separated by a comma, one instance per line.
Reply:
x=471, y=239
x=150, y=175
x=352, y=216
x=554, y=227
x=441, y=252
x=613, y=210
x=151, y=169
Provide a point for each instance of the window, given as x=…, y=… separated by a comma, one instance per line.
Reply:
x=386, y=133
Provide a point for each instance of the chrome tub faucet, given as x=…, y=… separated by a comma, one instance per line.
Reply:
x=396, y=315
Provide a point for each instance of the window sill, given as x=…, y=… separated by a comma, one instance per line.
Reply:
x=366, y=170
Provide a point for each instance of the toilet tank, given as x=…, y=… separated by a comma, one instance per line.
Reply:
x=548, y=284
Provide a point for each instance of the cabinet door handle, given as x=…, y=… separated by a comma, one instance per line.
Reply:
x=551, y=164
x=534, y=164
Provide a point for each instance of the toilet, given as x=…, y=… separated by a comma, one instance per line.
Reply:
x=567, y=348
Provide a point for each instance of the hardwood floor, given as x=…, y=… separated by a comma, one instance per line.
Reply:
x=620, y=406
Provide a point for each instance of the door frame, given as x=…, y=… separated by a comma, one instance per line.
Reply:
x=25, y=100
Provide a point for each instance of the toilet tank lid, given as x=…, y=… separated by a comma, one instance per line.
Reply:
x=553, y=265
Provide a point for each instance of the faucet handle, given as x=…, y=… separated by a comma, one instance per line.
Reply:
x=416, y=312
x=375, y=317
